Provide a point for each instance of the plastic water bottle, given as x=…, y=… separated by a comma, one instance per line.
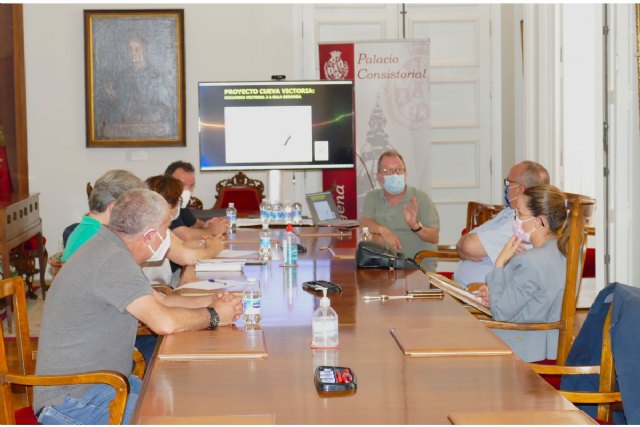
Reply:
x=265, y=242
x=290, y=248
x=251, y=299
x=232, y=215
x=278, y=209
x=365, y=236
x=288, y=213
x=265, y=213
x=324, y=324
x=297, y=213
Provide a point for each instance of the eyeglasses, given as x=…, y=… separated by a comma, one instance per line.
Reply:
x=507, y=182
x=395, y=171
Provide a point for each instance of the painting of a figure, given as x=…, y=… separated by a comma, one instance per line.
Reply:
x=135, y=78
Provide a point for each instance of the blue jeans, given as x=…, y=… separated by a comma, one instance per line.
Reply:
x=92, y=407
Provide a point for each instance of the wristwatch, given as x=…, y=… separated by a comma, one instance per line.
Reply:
x=215, y=319
x=418, y=228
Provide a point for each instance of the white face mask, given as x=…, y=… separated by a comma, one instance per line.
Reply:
x=159, y=253
x=186, y=196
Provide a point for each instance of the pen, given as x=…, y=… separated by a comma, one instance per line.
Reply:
x=217, y=281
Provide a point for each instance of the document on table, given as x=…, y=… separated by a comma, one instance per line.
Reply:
x=213, y=284
x=455, y=290
x=223, y=264
x=232, y=253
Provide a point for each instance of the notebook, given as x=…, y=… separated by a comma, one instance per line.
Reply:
x=325, y=212
x=449, y=340
x=221, y=343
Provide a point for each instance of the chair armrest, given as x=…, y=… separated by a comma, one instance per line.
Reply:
x=495, y=324
x=113, y=378
x=448, y=252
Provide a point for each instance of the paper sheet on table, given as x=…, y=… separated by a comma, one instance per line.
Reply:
x=206, y=285
x=232, y=253
x=224, y=264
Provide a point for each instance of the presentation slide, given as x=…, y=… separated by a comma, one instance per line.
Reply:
x=276, y=134
x=276, y=125
x=323, y=209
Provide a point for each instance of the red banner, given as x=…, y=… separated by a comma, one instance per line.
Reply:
x=336, y=63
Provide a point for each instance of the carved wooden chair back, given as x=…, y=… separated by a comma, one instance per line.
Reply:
x=244, y=192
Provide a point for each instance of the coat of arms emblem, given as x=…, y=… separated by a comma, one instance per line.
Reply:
x=336, y=68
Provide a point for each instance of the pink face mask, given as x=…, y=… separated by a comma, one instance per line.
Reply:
x=519, y=232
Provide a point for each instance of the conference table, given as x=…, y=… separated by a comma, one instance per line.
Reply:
x=391, y=387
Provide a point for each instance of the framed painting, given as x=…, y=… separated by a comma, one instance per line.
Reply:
x=134, y=77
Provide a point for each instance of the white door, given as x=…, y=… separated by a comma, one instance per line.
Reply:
x=458, y=166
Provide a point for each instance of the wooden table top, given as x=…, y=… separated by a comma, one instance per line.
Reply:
x=392, y=388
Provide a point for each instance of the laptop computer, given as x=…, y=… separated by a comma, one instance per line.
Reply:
x=325, y=212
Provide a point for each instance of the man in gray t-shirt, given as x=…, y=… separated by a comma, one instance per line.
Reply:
x=94, y=305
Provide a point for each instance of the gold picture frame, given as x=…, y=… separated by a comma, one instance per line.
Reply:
x=134, y=78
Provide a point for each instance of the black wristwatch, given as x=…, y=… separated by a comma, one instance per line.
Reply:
x=418, y=228
x=215, y=319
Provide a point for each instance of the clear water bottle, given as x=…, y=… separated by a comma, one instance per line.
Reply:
x=290, y=248
x=297, y=213
x=265, y=242
x=324, y=325
x=232, y=215
x=251, y=299
x=288, y=213
x=278, y=209
x=365, y=236
x=265, y=213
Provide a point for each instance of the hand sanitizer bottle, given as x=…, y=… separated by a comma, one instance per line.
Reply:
x=324, y=325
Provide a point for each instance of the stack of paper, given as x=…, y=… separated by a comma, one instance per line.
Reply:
x=225, y=264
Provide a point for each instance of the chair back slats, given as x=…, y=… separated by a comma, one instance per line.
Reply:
x=581, y=210
x=479, y=213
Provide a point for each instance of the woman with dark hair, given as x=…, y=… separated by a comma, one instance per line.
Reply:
x=528, y=286
x=180, y=252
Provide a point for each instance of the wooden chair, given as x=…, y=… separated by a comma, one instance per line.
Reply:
x=477, y=214
x=245, y=193
x=14, y=288
x=606, y=395
x=581, y=211
x=195, y=203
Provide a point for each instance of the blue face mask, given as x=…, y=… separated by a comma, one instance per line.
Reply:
x=506, y=197
x=394, y=184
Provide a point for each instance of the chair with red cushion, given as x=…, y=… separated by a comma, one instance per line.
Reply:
x=245, y=193
x=14, y=288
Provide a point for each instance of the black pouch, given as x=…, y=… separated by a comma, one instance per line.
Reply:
x=376, y=255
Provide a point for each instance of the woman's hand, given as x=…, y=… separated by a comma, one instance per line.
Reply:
x=513, y=246
x=483, y=294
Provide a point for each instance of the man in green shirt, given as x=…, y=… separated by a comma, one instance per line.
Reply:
x=403, y=216
x=105, y=192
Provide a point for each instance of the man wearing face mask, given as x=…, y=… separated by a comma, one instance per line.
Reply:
x=479, y=248
x=186, y=225
x=93, y=307
x=403, y=216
